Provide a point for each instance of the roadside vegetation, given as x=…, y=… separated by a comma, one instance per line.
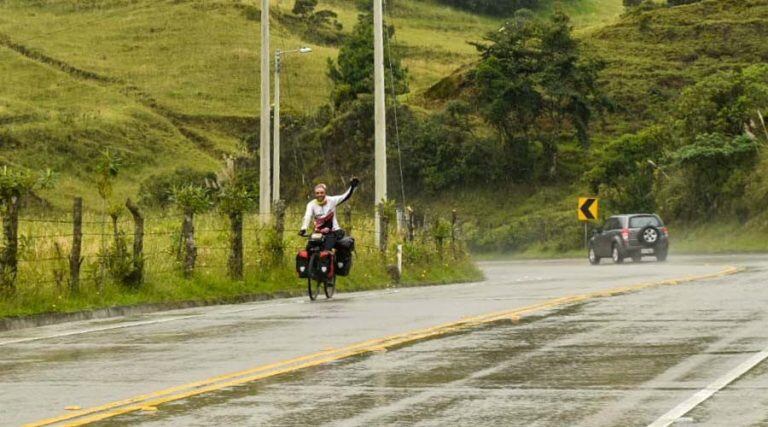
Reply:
x=43, y=282
x=504, y=111
x=682, y=133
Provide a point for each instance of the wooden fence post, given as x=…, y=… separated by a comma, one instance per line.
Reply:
x=9, y=259
x=115, y=229
x=454, y=223
x=235, y=262
x=348, y=218
x=409, y=223
x=137, y=276
x=190, y=249
x=384, y=233
x=280, y=229
x=384, y=229
x=75, y=258
x=439, y=237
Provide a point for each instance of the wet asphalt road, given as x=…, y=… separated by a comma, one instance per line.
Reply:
x=618, y=361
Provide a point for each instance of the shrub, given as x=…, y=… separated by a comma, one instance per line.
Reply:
x=157, y=190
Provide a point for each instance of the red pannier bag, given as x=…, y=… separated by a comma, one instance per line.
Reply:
x=302, y=264
x=326, y=264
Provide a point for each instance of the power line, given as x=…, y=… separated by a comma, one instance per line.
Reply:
x=394, y=100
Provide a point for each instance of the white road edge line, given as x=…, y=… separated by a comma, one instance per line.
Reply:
x=91, y=330
x=678, y=411
x=256, y=306
x=136, y=323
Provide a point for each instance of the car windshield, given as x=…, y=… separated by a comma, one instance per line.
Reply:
x=643, y=221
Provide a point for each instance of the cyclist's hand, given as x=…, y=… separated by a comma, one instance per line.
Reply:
x=302, y=233
x=354, y=182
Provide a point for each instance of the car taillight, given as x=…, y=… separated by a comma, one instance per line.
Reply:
x=625, y=234
x=665, y=230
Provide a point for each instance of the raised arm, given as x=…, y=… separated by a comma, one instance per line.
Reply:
x=307, y=219
x=347, y=194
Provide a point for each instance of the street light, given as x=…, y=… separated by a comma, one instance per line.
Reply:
x=276, y=123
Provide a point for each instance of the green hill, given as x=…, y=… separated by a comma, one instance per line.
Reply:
x=653, y=56
x=175, y=83
x=653, y=53
x=170, y=83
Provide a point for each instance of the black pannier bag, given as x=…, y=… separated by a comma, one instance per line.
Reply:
x=346, y=243
x=344, y=248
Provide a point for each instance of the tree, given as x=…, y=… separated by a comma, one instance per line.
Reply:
x=711, y=175
x=534, y=85
x=722, y=103
x=492, y=7
x=320, y=26
x=234, y=198
x=681, y=2
x=442, y=150
x=190, y=200
x=304, y=8
x=352, y=72
x=624, y=174
x=712, y=139
x=14, y=185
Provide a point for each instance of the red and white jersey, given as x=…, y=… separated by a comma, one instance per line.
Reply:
x=324, y=215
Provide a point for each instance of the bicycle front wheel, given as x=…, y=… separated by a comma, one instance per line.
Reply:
x=313, y=288
x=330, y=288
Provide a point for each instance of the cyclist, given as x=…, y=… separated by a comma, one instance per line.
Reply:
x=323, y=211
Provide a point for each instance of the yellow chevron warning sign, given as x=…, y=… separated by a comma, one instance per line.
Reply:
x=589, y=208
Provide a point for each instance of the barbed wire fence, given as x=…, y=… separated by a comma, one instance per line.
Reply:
x=68, y=252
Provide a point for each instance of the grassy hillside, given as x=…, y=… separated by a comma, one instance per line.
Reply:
x=169, y=83
x=653, y=54
x=175, y=83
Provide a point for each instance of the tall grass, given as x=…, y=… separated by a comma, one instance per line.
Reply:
x=42, y=284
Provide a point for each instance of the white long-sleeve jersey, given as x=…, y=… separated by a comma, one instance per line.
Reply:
x=325, y=215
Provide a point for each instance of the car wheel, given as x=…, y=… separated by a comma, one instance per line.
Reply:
x=616, y=254
x=649, y=236
x=661, y=255
x=593, y=258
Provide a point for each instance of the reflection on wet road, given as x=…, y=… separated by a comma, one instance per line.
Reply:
x=625, y=360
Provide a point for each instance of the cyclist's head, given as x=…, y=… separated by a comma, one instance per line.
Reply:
x=320, y=190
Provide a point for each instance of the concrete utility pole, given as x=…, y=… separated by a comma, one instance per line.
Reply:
x=264, y=169
x=276, y=122
x=276, y=133
x=380, y=112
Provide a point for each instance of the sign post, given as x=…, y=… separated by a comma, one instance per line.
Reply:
x=588, y=210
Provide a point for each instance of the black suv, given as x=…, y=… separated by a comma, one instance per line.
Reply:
x=632, y=236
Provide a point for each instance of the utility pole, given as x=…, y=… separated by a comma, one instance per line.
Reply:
x=276, y=133
x=264, y=169
x=380, y=113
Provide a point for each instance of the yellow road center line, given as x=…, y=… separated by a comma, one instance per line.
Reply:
x=137, y=403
